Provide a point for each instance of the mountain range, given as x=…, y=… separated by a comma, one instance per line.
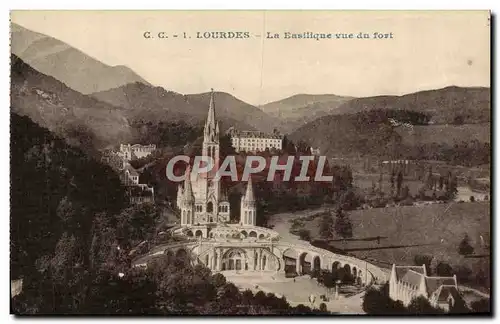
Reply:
x=469, y=104
x=82, y=120
x=146, y=102
x=95, y=104
x=80, y=72
x=300, y=109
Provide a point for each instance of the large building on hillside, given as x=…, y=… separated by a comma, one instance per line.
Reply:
x=200, y=198
x=408, y=282
x=136, y=151
x=138, y=192
x=252, y=141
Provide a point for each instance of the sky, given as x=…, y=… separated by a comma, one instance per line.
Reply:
x=428, y=50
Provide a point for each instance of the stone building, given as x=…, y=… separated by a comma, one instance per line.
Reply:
x=252, y=141
x=409, y=282
x=136, y=151
x=138, y=193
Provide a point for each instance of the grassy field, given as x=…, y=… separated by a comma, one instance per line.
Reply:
x=404, y=232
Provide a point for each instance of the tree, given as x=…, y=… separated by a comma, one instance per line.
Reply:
x=304, y=234
x=429, y=178
x=459, y=306
x=405, y=193
x=303, y=147
x=458, y=120
x=441, y=182
x=481, y=306
x=399, y=182
x=392, y=181
x=343, y=226
x=349, y=200
x=377, y=301
x=380, y=179
x=326, y=226
x=218, y=280
x=288, y=146
x=422, y=306
x=451, y=188
x=463, y=273
x=425, y=260
x=443, y=269
x=465, y=248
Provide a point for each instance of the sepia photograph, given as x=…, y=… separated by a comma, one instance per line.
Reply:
x=250, y=163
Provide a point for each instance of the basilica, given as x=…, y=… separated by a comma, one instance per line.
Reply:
x=200, y=199
x=206, y=236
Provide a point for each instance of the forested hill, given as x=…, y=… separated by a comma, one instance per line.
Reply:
x=450, y=105
x=370, y=133
x=56, y=192
x=367, y=133
x=81, y=120
x=71, y=237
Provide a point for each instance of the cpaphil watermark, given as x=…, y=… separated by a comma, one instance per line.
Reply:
x=204, y=165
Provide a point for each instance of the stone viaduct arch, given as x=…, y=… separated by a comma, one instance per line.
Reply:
x=269, y=256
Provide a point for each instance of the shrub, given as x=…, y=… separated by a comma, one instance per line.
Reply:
x=465, y=248
x=304, y=234
x=443, y=269
x=425, y=260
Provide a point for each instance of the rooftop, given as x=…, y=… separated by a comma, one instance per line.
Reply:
x=445, y=291
x=253, y=134
x=413, y=275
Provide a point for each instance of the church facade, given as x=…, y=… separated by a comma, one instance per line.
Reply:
x=409, y=282
x=201, y=200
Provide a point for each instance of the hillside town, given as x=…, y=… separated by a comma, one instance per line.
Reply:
x=157, y=200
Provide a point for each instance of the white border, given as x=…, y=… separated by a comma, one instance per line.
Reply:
x=185, y=4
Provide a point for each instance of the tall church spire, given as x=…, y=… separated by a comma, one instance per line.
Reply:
x=211, y=124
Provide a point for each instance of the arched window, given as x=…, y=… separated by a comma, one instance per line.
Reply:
x=210, y=207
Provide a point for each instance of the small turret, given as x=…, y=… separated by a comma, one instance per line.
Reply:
x=248, y=210
x=249, y=196
x=187, y=203
x=180, y=194
x=188, y=197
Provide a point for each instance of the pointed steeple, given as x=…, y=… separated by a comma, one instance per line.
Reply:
x=249, y=196
x=188, y=190
x=210, y=125
x=223, y=196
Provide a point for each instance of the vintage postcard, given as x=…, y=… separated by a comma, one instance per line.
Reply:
x=250, y=162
